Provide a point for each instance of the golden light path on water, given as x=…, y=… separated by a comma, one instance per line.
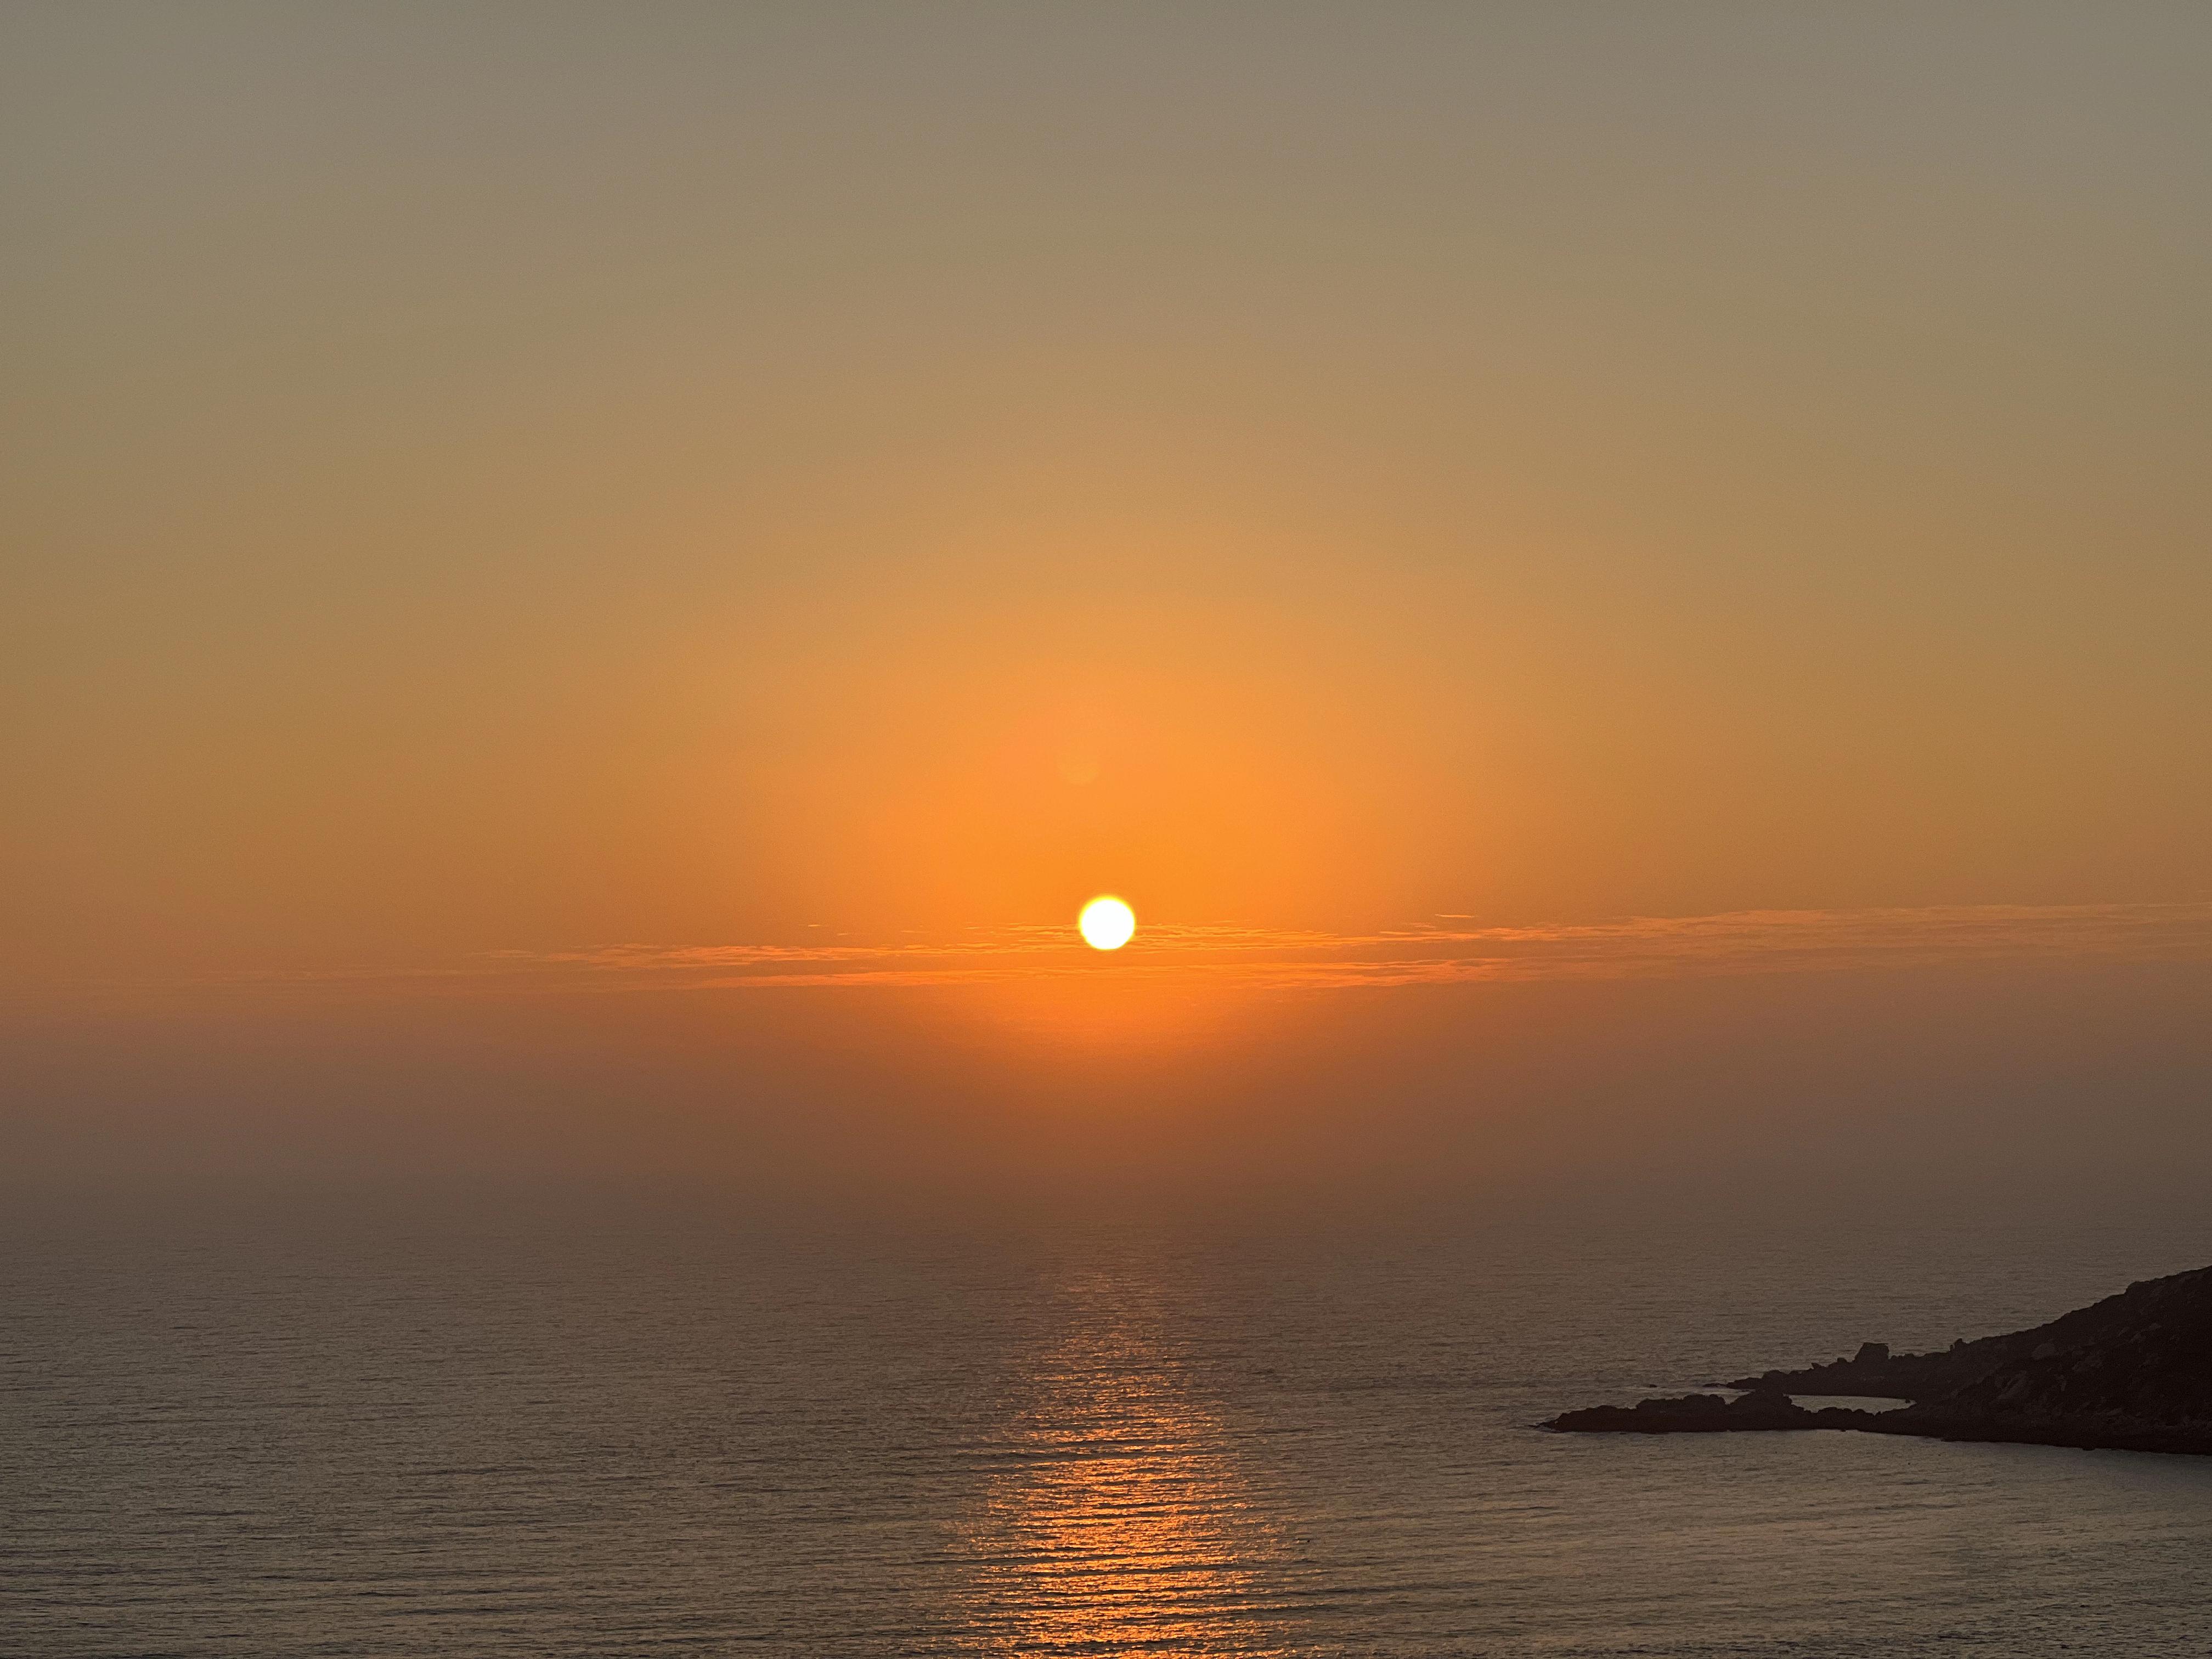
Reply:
x=1124, y=1524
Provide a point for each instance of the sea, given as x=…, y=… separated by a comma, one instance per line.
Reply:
x=660, y=1432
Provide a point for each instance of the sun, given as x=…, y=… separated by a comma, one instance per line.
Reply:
x=1107, y=923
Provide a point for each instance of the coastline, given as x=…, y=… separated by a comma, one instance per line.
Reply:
x=2132, y=1372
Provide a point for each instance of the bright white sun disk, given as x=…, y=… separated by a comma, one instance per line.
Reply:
x=1107, y=923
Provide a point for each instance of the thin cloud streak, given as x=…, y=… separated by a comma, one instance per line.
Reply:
x=1230, y=957
x=1740, y=942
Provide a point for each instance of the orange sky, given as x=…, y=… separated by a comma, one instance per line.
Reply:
x=504, y=488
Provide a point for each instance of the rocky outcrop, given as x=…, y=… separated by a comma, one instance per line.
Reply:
x=2133, y=1372
x=1874, y=1370
x=1706, y=1413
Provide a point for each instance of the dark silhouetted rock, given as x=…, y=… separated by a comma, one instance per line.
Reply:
x=1706, y=1413
x=2131, y=1372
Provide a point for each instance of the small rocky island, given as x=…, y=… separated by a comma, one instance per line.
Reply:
x=2133, y=1372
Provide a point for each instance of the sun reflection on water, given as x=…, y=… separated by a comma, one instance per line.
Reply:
x=1124, y=1523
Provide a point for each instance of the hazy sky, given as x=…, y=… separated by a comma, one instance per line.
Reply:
x=489, y=485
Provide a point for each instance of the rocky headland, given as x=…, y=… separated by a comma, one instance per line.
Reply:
x=2132, y=1372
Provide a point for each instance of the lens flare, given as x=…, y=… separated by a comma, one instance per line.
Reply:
x=1107, y=923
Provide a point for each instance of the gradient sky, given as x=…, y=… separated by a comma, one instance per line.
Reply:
x=498, y=498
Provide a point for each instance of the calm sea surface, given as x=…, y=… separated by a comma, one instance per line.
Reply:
x=665, y=1438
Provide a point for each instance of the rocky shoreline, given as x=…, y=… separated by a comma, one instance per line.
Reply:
x=2132, y=1372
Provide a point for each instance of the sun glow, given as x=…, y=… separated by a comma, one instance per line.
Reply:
x=1107, y=923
